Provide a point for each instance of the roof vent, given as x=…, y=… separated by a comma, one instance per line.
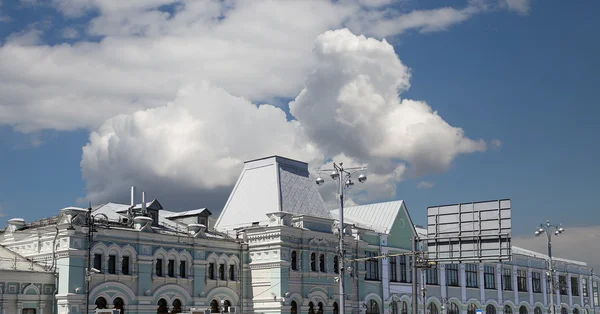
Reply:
x=16, y=224
x=196, y=230
x=142, y=223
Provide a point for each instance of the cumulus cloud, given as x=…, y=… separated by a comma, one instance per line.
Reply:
x=425, y=185
x=348, y=110
x=577, y=243
x=147, y=50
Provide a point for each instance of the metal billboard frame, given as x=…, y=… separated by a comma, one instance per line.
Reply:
x=475, y=232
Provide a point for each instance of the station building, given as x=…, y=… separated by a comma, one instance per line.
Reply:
x=272, y=249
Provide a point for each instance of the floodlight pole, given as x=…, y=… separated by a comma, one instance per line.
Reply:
x=342, y=176
x=547, y=229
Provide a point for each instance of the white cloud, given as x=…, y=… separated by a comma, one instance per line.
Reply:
x=349, y=109
x=257, y=49
x=577, y=243
x=520, y=6
x=495, y=143
x=425, y=185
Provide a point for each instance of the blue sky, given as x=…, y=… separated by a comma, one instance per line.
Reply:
x=525, y=79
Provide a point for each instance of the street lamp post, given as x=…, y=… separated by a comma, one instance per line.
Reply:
x=547, y=229
x=342, y=177
x=91, y=228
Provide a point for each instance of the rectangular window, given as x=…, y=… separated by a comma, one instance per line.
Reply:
x=294, y=260
x=393, y=270
x=536, y=282
x=372, y=267
x=182, y=269
x=522, y=280
x=231, y=272
x=489, y=277
x=221, y=271
x=575, y=286
x=431, y=276
x=562, y=285
x=595, y=293
x=112, y=264
x=584, y=285
x=506, y=279
x=98, y=262
x=159, y=267
x=125, y=265
x=211, y=271
x=403, y=277
x=452, y=275
x=171, y=268
x=471, y=275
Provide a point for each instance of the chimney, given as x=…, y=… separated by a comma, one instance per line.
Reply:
x=132, y=196
x=143, y=202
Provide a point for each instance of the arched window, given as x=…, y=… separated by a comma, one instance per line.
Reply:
x=471, y=308
x=226, y=306
x=336, y=265
x=432, y=308
x=294, y=260
x=404, y=307
x=101, y=303
x=176, y=307
x=294, y=307
x=118, y=304
x=453, y=308
x=336, y=309
x=322, y=263
x=313, y=262
x=320, y=308
x=523, y=310
x=394, y=307
x=373, y=307
x=163, y=307
x=311, y=306
x=214, y=306
x=490, y=309
x=563, y=310
x=575, y=311
x=507, y=309
x=537, y=310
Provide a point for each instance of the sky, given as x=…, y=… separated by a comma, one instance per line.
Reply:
x=444, y=101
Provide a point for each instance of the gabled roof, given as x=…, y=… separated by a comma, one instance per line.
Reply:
x=379, y=217
x=267, y=185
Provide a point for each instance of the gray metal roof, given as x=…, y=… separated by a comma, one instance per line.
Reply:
x=267, y=185
x=379, y=216
x=10, y=260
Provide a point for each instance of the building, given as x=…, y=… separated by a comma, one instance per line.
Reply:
x=25, y=286
x=273, y=249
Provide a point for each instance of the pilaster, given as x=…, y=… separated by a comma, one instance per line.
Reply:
x=545, y=291
x=463, y=284
x=482, y=283
x=443, y=287
x=499, y=282
x=515, y=284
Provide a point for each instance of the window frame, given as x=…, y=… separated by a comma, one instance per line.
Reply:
x=522, y=280
x=536, y=282
x=489, y=278
x=452, y=275
x=471, y=276
x=507, y=284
